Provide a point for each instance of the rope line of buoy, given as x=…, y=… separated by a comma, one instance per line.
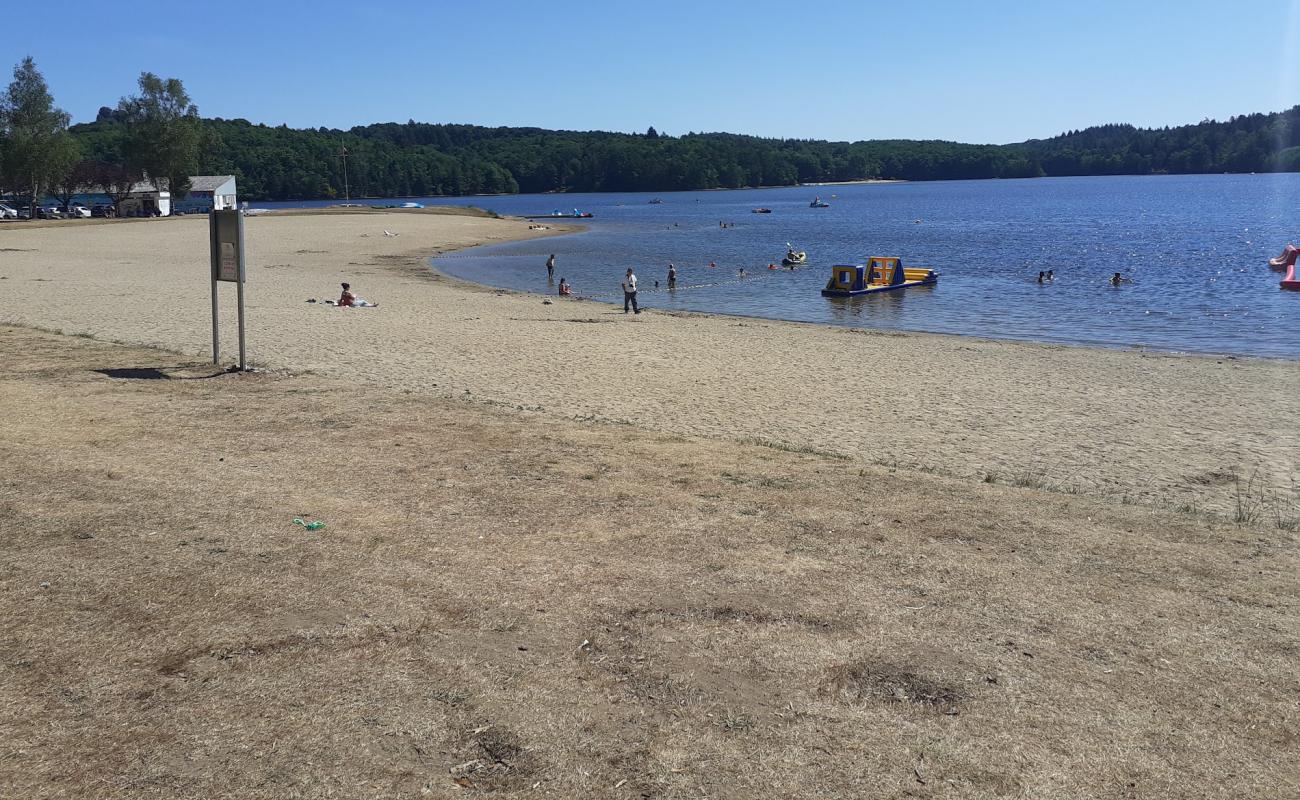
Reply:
x=758, y=274
x=451, y=256
x=765, y=274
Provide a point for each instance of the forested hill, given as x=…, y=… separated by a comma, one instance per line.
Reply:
x=416, y=159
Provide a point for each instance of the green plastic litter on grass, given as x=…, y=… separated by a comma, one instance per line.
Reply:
x=314, y=525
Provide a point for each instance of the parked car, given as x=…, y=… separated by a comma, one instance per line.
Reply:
x=78, y=211
x=8, y=212
x=25, y=212
x=49, y=212
x=103, y=210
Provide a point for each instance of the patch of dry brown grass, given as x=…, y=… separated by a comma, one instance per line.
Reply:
x=503, y=602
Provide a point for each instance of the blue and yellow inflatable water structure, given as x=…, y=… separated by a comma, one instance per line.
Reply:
x=879, y=274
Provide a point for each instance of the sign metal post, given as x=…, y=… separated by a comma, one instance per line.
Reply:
x=226, y=229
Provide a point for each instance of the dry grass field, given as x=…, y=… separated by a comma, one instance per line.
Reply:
x=503, y=602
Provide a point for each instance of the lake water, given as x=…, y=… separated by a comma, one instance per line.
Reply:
x=1195, y=248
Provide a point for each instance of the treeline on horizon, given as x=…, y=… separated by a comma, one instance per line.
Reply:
x=159, y=133
x=419, y=159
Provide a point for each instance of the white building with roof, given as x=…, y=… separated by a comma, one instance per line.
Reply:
x=207, y=192
x=147, y=200
x=213, y=192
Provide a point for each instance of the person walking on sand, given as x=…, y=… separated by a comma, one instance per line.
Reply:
x=550, y=267
x=672, y=277
x=629, y=292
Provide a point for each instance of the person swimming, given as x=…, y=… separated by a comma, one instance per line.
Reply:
x=1042, y=276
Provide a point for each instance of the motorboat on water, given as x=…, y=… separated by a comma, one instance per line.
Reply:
x=658, y=201
x=794, y=258
x=819, y=203
x=762, y=211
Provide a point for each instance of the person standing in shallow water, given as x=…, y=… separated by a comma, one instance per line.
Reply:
x=672, y=277
x=550, y=266
x=629, y=292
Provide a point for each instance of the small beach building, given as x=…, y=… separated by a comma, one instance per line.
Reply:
x=147, y=200
x=210, y=193
x=207, y=192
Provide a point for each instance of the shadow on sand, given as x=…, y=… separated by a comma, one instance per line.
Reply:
x=156, y=374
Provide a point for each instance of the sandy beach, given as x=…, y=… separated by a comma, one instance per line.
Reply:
x=549, y=568
x=1168, y=430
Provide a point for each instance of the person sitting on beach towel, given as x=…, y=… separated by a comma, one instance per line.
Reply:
x=350, y=300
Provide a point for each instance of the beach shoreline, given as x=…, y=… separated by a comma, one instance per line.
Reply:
x=1149, y=350
x=1129, y=424
x=577, y=229
x=863, y=182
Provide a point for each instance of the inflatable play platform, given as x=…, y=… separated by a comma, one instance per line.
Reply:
x=1287, y=262
x=879, y=274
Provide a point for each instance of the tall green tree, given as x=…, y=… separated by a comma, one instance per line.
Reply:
x=37, y=149
x=82, y=178
x=115, y=180
x=162, y=132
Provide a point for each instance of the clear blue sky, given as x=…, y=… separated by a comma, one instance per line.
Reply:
x=839, y=69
